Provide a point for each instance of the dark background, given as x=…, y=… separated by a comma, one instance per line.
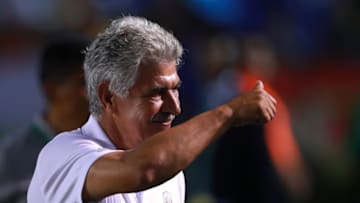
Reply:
x=317, y=41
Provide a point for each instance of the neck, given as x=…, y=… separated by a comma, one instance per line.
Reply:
x=116, y=136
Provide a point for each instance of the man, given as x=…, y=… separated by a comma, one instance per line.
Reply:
x=63, y=85
x=127, y=151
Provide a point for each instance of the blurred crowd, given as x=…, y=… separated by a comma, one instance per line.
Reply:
x=307, y=52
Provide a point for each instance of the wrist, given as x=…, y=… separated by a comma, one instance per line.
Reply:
x=226, y=113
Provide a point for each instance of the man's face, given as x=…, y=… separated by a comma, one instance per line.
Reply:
x=69, y=98
x=72, y=94
x=151, y=105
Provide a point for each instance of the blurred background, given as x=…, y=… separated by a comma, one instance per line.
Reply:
x=310, y=48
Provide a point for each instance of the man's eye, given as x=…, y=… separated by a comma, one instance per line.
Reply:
x=155, y=95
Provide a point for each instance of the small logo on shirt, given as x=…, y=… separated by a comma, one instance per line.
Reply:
x=167, y=197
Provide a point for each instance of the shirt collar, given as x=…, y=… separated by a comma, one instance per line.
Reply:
x=93, y=130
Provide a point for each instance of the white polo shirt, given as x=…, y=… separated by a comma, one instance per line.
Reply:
x=63, y=163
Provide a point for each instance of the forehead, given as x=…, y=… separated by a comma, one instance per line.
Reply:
x=157, y=74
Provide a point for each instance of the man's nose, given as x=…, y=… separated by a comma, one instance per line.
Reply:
x=172, y=102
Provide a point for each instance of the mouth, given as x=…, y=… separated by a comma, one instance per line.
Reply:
x=163, y=119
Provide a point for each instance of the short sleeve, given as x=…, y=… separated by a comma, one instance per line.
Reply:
x=62, y=168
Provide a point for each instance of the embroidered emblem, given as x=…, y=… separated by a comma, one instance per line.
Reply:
x=167, y=197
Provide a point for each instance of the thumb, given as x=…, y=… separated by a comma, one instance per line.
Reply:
x=259, y=85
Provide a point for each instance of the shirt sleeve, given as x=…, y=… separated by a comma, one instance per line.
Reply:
x=63, y=166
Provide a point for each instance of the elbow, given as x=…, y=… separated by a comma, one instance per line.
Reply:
x=149, y=177
x=157, y=169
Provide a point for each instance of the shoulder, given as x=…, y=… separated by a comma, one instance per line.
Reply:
x=19, y=140
x=32, y=136
x=63, y=163
x=70, y=153
x=70, y=147
x=70, y=142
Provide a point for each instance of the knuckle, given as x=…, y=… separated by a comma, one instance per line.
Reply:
x=262, y=112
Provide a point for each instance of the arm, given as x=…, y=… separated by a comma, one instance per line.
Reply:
x=285, y=153
x=165, y=154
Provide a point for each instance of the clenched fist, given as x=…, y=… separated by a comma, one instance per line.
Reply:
x=254, y=106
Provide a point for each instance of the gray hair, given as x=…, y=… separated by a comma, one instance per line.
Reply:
x=116, y=54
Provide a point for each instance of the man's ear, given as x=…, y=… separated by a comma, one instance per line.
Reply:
x=105, y=95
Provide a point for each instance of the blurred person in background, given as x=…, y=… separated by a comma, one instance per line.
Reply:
x=61, y=79
x=351, y=192
x=128, y=151
x=265, y=165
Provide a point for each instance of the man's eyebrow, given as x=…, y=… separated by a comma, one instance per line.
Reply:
x=158, y=89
